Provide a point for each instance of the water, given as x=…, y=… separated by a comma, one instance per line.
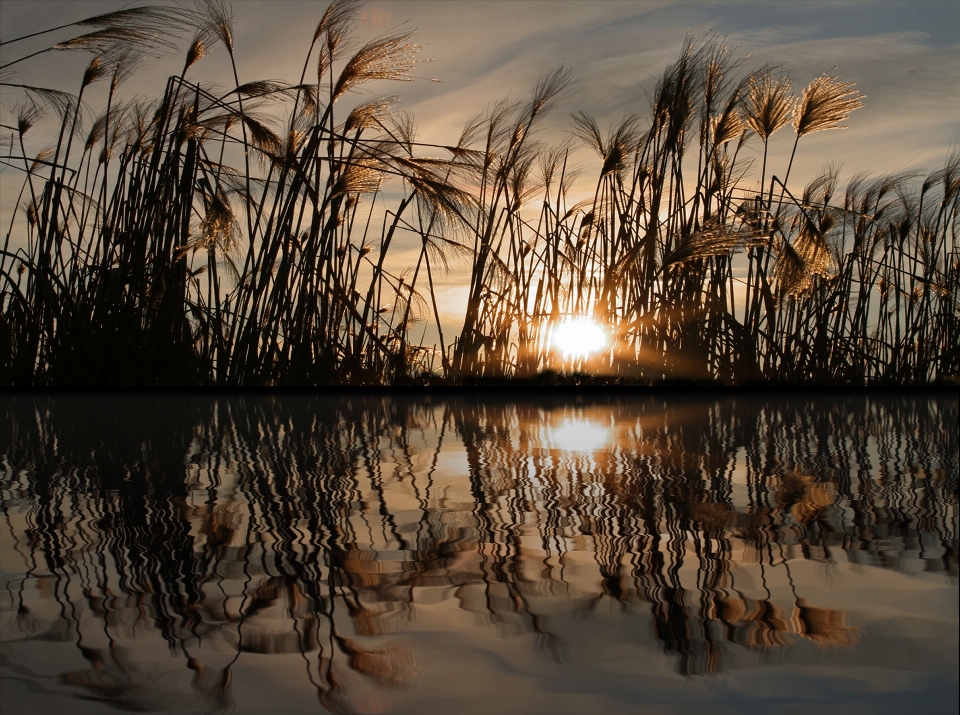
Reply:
x=469, y=555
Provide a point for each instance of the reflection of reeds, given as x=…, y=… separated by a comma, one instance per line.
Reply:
x=257, y=526
x=824, y=626
x=231, y=238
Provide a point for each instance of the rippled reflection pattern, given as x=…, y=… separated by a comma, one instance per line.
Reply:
x=426, y=555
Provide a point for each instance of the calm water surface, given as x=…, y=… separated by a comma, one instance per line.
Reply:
x=467, y=555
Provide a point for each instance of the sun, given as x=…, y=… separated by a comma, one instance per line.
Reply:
x=578, y=337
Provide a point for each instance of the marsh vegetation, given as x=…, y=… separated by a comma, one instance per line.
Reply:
x=245, y=235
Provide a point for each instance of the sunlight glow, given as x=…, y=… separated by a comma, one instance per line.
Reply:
x=578, y=337
x=579, y=435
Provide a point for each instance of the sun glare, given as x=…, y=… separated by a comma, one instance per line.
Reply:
x=579, y=435
x=578, y=337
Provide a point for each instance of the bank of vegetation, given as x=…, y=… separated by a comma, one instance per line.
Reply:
x=246, y=235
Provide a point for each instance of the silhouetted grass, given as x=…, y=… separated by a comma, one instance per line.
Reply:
x=229, y=238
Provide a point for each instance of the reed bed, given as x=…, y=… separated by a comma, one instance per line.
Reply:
x=247, y=236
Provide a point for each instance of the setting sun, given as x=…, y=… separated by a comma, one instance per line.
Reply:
x=578, y=337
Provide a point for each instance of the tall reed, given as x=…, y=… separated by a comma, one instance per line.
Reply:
x=231, y=237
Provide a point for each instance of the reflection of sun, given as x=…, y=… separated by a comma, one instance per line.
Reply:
x=579, y=435
x=578, y=337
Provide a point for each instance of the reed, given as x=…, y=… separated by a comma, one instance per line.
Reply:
x=229, y=237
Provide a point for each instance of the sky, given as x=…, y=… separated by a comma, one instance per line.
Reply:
x=904, y=56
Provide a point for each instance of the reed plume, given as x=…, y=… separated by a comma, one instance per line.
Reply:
x=245, y=234
x=825, y=102
x=769, y=104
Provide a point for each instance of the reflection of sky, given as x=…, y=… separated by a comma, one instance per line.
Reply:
x=904, y=56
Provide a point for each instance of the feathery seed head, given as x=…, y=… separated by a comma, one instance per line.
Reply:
x=550, y=161
x=811, y=246
x=97, y=131
x=727, y=126
x=95, y=70
x=124, y=65
x=32, y=208
x=218, y=20
x=621, y=140
x=62, y=103
x=768, y=104
x=335, y=24
x=390, y=58
x=28, y=114
x=402, y=128
x=550, y=91
x=219, y=227
x=150, y=18
x=713, y=239
x=261, y=136
x=199, y=48
x=369, y=114
x=948, y=177
x=337, y=16
x=791, y=273
x=825, y=102
x=359, y=176
x=112, y=42
x=42, y=156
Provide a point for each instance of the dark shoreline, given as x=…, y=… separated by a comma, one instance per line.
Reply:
x=572, y=386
